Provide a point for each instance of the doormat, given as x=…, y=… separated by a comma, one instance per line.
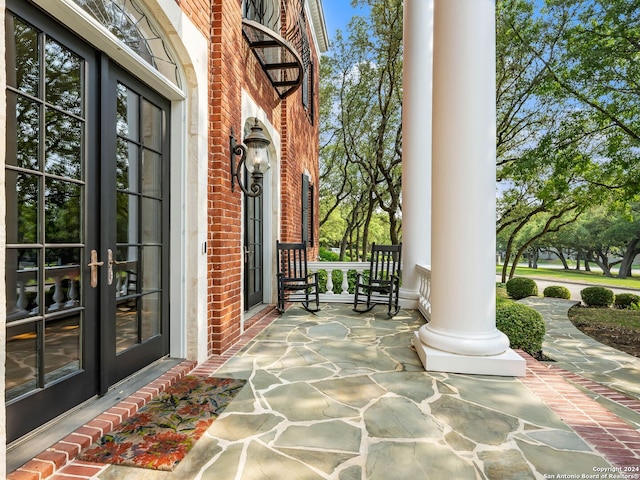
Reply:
x=162, y=432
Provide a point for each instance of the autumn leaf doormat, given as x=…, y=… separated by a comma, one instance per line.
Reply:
x=163, y=431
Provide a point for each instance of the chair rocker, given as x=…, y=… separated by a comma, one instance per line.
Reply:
x=382, y=284
x=295, y=283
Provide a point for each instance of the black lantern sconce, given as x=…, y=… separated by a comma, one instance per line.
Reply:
x=254, y=155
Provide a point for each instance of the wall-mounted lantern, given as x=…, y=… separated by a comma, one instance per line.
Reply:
x=254, y=155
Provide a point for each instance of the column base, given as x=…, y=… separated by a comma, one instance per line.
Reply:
x=408, y=298
x=507, y=364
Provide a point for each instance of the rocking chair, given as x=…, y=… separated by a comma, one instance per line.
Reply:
x=295, y=283
x=382, y=284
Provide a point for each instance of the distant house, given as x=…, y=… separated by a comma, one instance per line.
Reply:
x=126, y=240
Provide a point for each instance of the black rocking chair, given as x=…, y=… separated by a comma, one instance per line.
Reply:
x=295, y=283
x=382, y=284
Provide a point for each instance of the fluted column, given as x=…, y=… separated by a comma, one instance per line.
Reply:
x=462, y=336
x=416, y=144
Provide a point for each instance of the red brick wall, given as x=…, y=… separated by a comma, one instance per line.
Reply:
x=233, y=67
x=198, y=12
x=300, y=146
x=223, y=206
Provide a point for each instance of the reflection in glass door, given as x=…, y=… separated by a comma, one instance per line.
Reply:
x=49, y=359
x=137, y=253
x=86, y=223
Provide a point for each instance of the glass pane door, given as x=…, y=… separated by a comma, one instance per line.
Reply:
x=253, y=266
x=50, y=331
x=138, y=250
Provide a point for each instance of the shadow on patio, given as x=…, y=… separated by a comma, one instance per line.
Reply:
x=344, y=396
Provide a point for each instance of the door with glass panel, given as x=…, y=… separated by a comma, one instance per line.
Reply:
x=253, y=251
x=137, y=212
x=86, y=204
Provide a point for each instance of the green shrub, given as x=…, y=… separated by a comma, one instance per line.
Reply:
x=557, y=291
x=625, y=300
x=523, y=325
x=597, y=296
x=520, y=287
x=327, y=255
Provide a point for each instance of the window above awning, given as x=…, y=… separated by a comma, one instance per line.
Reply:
x=283, y=58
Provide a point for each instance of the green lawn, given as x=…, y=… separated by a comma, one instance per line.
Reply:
x=595, y=278
x=627, y=319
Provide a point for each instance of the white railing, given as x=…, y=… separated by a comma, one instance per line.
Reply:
x=26, y=281
x=340, y=294
x=424, y=296
x=337, y=293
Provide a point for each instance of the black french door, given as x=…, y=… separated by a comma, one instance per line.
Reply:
x=87, y=207
x=135, y=202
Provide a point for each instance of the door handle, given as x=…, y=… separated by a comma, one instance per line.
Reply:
x=110, y=263
x=94, y=264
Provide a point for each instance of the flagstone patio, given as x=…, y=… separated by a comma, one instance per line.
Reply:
x=338, y=395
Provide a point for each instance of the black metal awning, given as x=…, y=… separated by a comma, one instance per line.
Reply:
x=276, y=31
x=279, y=59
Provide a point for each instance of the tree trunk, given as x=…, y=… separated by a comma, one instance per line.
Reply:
x=627, y=259
x=562, y=258
x=603, y=262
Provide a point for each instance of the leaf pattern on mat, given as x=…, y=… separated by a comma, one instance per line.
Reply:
x=162, y=432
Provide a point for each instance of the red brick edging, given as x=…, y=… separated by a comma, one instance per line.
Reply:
x=609, y=435
x=59, y=462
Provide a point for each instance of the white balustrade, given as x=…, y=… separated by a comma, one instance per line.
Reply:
x=343, y=267
x=27, y=281
x=330, y=296
x=424, y=298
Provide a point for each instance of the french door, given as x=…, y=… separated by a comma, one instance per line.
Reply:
x=87, y=221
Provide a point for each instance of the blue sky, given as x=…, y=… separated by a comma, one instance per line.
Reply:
x=337, y=14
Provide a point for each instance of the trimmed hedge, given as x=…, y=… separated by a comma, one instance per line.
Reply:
x=597, y=296
x=625, y=300
x=557, y=291
x=520, y=287
x=523, y=325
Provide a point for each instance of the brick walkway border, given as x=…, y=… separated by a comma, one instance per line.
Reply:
x=609, y=435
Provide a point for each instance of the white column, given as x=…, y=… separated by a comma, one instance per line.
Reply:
x=416, y=145
x=462, y=336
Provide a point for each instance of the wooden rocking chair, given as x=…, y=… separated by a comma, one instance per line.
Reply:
x=295, y=283
x=382, y=284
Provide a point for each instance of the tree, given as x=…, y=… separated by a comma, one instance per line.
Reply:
x=567, y=114
x=361, y=129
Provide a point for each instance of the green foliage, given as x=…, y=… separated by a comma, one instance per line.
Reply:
x=523, y=325
x=361, y=130
x=327, y=255
x=521, y=287
x=336, y=277
x=625, y=300
x=557, y=291
x=597, y=296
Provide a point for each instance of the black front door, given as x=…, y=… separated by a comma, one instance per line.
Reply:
x=253, y=251
x=86, y=199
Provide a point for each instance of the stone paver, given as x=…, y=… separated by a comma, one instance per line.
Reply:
x=576, y=352
x=349, y=399
x=344, y=396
